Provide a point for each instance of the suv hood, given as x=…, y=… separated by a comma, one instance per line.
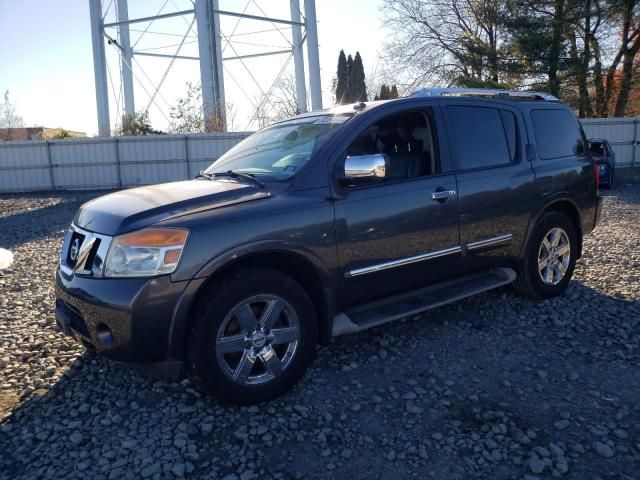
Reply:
x=136, y=208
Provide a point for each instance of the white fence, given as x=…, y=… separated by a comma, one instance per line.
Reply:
x=114, y=162
x=108, y=162
x=623, y=135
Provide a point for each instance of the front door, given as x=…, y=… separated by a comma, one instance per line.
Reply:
x=402, y=232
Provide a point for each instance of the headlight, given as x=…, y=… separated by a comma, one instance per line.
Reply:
x=148, y=252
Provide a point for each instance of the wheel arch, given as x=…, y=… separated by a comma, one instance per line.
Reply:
x=313, y=280
x=566, y=207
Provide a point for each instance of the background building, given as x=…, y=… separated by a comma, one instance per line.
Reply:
x=37, y=133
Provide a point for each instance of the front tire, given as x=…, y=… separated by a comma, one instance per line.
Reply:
x=253, y=336
x=549, y=258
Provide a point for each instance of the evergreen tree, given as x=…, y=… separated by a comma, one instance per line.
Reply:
x=357, y=86
x=384, y=92
x=348, y=93
x=393, y=93
x=342, y=78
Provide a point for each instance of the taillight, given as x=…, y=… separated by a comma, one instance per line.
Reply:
x=596, y=174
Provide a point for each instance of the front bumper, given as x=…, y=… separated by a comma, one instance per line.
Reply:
x=127, y=320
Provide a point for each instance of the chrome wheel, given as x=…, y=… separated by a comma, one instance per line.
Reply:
x=554, y=256
x=258, y=339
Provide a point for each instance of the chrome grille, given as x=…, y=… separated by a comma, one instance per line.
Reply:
x=84, y=252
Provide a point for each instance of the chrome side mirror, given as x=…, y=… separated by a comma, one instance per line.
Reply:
x=365, y=168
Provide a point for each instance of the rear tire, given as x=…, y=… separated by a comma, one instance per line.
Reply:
x=253, y=336
x=549, y=258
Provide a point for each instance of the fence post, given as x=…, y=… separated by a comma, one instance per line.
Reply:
x=117, y=154
x=186, y=152
x=50, y=162
x=635, y=142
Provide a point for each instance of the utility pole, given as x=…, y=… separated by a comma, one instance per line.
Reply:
x=100, y=67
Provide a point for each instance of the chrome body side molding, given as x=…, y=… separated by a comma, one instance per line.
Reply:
x=489, y=242
x=403, y=261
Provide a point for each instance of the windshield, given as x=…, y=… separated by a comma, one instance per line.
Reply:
x=280, y=151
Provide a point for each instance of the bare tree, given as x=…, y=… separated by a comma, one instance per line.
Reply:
x=188, y=114
x=283, y=98
x=9, y=118
x=278, y=104
x=442, y=41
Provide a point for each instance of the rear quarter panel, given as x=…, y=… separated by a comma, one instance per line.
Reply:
x=570, y=179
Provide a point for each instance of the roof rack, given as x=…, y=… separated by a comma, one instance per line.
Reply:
x=482, y=92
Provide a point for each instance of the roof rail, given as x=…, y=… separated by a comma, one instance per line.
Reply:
x=482, y=92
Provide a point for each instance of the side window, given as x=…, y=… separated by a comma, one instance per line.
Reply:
x=557, y=133
x=481, y=138
x=407, y=138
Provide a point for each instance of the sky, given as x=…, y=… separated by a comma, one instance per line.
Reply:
x=46, y=59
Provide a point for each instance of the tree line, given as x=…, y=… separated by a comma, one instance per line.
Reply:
x=583, y=51
x=349, y=84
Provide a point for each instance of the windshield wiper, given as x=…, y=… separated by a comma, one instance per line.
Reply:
x=230, y=173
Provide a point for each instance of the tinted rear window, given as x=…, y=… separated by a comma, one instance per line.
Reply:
x=557, y=133
x=479, y=137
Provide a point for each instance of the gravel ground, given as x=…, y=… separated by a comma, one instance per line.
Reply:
x=493, y=387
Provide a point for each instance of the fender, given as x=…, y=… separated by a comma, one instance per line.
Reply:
x=180, y=317
x=550, y=201
x=266, y=246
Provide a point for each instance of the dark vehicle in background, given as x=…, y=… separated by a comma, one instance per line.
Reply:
x=330, y=223
x=605, y=159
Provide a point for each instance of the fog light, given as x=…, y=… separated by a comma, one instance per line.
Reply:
x=104, y=335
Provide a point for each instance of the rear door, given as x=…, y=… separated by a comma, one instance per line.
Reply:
x=495, y=179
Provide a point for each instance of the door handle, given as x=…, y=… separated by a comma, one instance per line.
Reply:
x=442, y=194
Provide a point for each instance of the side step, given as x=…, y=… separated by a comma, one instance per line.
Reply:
x=376, y=313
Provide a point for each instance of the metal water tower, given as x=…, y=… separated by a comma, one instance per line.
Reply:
x=206, y=14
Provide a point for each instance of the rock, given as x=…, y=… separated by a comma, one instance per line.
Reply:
x=561, y=424
x=413, y=409
x=179, y=441
x=206, y=428
x=562, y=465
x=603, y=449
x=129, y=443
x=178, y=469
x=150, y=470
x=536, y=465
x=76, y=438
x=621, y=434
x=555, y=450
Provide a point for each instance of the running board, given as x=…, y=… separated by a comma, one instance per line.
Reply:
x=372, y=314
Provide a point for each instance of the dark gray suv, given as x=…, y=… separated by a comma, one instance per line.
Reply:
x=325, y=224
